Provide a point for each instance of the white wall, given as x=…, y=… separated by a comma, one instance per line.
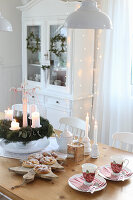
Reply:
x=10, y=53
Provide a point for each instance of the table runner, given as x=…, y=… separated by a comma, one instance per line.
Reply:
x=53, y=146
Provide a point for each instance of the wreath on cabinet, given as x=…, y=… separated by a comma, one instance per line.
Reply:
x=58, y=45
x=33, y=47
x=44, y=67
x=25, y=134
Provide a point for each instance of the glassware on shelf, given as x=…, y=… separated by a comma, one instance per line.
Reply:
x=58, y=63
x=34, y=53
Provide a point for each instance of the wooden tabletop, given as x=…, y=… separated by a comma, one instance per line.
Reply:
x=59, y=189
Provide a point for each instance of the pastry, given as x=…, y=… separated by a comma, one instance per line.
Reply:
x=42, y=169
x=50, y=154
x=28, y=164
x=54, y=154
x=46, y=154
x=37, y=156
x=34, y=161
x=47, y=160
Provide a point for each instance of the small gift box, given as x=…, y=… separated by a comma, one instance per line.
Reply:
x=76, y=149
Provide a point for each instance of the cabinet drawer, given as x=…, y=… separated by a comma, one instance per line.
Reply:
x=38, y=99
x=58, y=102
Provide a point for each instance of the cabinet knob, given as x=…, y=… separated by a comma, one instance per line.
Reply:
x=57, y=101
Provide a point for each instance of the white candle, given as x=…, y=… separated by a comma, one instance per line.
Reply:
x=14, y=125
x=33, y=108
x=35, y=120
x=9, y=114
x=87, y=124
x=24, y=111
x=95, y=132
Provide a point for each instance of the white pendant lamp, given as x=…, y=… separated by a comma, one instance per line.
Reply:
x=4, y=24
x=88, y=16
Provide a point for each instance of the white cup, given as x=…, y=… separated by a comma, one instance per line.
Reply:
x=37, y=77
x=89, y=171
x=118, y=162
x=57, y=82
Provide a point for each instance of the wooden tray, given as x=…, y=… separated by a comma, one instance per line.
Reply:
x=23, y=171
x=29, y=174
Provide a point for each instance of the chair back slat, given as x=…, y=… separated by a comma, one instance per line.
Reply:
x=113, y=144
x=127, y=147
x=120, y=145
x=132, y=148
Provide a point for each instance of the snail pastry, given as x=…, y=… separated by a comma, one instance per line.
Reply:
x=34, y=161
x=46, y=154
x=54, y=154
x=37, y=156
x=42, y=169
x=48, y=160
x=28, y=164
x=50, y=154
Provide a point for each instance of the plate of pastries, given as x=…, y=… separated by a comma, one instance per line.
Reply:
x=40, y=165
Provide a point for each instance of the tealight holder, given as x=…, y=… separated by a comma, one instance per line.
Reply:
x=77, y=150
x=95, y=151
x=36, y=126
x=12, y=129
x=87, y=145
x=14, y=126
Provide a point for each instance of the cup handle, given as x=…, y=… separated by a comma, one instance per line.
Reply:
x=97, y=171
x=126, y=164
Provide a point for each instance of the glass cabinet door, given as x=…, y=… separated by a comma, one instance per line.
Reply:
x=34, y=53
x=58, y=55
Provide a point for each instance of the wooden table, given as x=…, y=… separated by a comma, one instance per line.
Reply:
x=59, y=189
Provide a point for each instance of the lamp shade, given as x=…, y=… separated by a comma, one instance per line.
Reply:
x=88, y=16
x=4, y=24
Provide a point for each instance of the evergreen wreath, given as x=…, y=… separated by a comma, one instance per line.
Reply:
x=25, y=134
x=33, y=48
x=53, y=45
x=44, y=67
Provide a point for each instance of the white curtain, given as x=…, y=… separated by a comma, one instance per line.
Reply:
x=114, y=104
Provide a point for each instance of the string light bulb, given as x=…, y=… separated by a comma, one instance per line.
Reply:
x=68, y=39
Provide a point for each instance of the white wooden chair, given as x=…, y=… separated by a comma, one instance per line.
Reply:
x=123, y=140
x=18, y=108
x=75, y=125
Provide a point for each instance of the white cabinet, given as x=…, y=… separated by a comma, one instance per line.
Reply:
x=66, y=87
x=58, y=102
